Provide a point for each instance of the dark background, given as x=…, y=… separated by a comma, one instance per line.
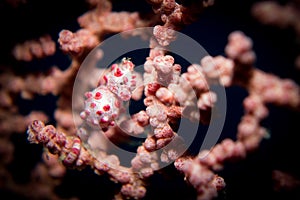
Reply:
x=251, y=178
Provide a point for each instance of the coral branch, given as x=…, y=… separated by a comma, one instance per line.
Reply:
x=147, y=115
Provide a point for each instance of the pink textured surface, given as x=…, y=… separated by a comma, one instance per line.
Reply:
x=263, y=102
